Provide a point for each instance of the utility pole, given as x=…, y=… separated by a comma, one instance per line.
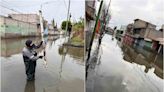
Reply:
x=41, y=19
x=93, y=34
x=92, y=38
x=107, y=12
x=105, y=22
x=70, y=17
x=42, y=35
x=41, y=24
x=67, y=16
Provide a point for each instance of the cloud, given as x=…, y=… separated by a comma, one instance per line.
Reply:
x=125, y=11
x=54, y=9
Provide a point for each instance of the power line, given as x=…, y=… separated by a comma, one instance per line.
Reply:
x=20, y=5
x=10, y=9
x=4, y=1
x=6, y=5
x=65, y=4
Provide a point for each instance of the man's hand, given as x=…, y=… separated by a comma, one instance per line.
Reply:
x=40, y=57
x=35, y=54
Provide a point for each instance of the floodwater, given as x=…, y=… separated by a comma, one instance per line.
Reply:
x=117, y=67
x=64, y=71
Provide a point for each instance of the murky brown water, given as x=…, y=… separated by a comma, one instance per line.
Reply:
x=117, y=67
x=64, y=71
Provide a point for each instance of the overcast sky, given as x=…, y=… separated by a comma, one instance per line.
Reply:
x=125, y=11
x=56, y=9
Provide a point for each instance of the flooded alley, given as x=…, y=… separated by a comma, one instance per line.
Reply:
x=64, y=70
x=118, y=67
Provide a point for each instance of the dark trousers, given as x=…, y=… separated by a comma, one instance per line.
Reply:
x=30, y=69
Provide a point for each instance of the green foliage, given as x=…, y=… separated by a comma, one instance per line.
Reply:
x=63, y=25
x=78, y=28
x=77, y=41
x=79, y=25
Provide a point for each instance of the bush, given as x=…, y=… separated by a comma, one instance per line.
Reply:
x=78, y=25
x=63, y=25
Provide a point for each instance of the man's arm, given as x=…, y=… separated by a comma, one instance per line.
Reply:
x=30, y=55
x=37, y=46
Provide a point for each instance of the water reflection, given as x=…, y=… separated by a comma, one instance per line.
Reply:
x=138, y=55
x=14, y=46
x=64, y=67
x=94, y=60
x=122, y=68
x=30, y=86
x=74, y=52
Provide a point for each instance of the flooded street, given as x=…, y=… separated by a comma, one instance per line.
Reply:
x=64, y=72
x=118, y=67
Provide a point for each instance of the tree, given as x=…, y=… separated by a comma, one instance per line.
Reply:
x=63, y=25
x=53, y=23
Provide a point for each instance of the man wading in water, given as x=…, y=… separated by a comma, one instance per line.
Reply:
x=30, y=57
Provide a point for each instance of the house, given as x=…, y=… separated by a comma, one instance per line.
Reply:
x=11, y=28
x=109, y=30
x=141, y=27
x=30, y=18
x=137, y=32
x=128, y=36
x=148, y=36
x=121, y=32
x=144, y=34
x=52, y=29
x=20, y=25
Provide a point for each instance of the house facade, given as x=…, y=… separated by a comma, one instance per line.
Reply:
x=11, y=28
x=20, y=25
x=144, y=34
